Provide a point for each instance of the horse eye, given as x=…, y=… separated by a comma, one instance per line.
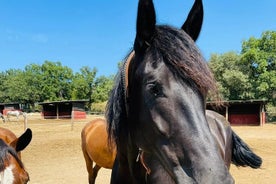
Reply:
x=155, y=89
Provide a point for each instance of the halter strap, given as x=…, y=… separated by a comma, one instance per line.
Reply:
x=124, y=77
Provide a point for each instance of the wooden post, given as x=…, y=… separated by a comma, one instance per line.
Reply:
x=262, y=115
x=72, y=120
x=25, y=121
x=263, y=118
x=226, y=113
x=57, y=112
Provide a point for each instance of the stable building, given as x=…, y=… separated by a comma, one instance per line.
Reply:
x=68, y=109
x=241, y=112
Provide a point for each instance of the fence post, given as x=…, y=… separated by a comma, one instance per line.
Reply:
x=72, y=120
x=25, y=121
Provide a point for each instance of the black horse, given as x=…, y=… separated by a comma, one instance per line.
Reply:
x=156, y=111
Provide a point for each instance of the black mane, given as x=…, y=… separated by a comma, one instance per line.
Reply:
x=179, y=52
x=116, y=107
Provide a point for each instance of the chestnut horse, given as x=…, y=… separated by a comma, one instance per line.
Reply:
x=19, y=143
x=12, y=170
x=95, y=148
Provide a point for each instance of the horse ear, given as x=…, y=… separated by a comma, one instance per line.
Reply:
x=193, y=23
x=145, y=25
x=23, y=141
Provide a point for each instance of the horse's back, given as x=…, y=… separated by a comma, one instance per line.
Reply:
x=232, y=147
x=95, y=143
x=222, y=132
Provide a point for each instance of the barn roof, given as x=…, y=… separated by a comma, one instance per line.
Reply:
x=230, y=102
x=63, y=101
x=9, y=103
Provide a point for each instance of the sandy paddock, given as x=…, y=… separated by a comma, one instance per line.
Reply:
x=55, y=156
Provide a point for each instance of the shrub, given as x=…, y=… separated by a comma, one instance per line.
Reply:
x=271, y=113
x=98, y=108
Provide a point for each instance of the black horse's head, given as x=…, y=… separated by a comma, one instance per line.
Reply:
x=168, y=81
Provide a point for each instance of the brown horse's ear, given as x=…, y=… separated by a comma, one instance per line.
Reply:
x=145, y=25
x=23, y=141
x=193, y=23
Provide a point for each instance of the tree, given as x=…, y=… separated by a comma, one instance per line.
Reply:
x=103, y=86
x=34, y=79
x=2, y=87
x=258, y=59
x=83, y=84
x=14, y=86
x=237, y=84
x=56, y=81
x=233, y=83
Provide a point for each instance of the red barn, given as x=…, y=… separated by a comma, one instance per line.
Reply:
x=64, y=109
x=241, y=112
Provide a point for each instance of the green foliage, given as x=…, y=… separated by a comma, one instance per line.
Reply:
x=271, y=113
x=237, y=84
x=258, y=60
x=83, y=84
x=220, y=63
x=233, y=83
x=98, y=107
x=51, y=82
x=251, y=74
x=56, y=81
x=33, y=77
x=103, y=86
x=13, y=86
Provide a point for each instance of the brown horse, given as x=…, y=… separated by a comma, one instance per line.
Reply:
x=95, y=148
x=12, y=170
x=11, y=139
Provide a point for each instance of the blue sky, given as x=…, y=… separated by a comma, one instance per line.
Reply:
x=100, y=33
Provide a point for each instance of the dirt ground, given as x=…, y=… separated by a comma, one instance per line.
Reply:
x=55, y=156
